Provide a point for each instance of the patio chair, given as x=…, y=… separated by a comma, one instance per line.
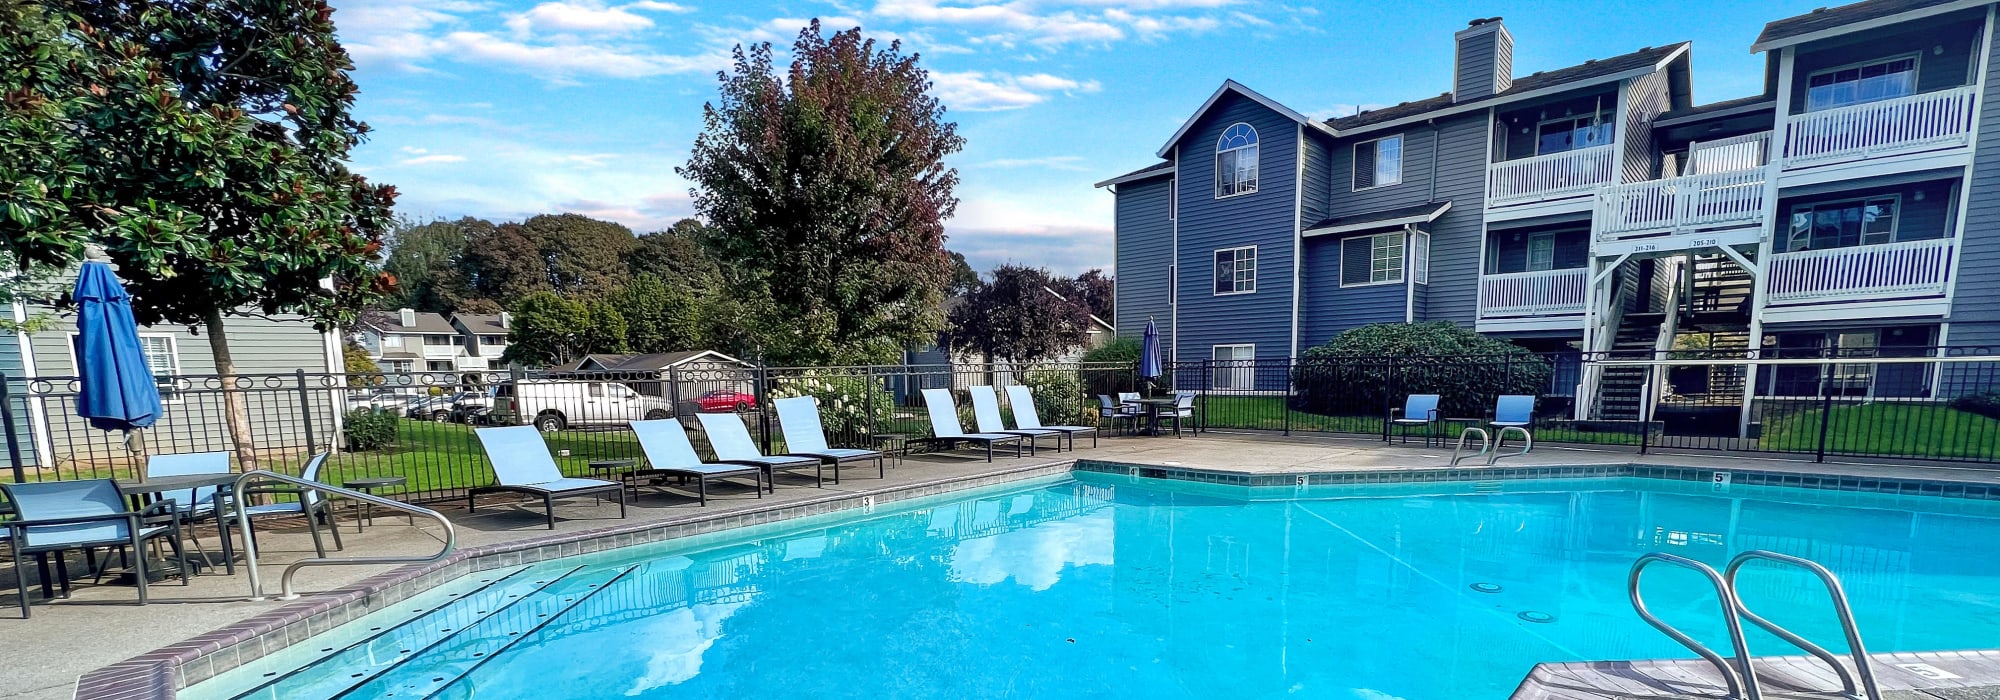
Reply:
x=1111, y=411
x=798, y=418
x=1130, y=401
x=1025, y=417
x=947, y=432
x=668, y=453
x=193, y=505
x=1515, y=411
x=521, y=463
x=58, y=516
x=317, y=509
x=731, y=442
x=1183, y=409
x=986, y=419
x=1417, y=410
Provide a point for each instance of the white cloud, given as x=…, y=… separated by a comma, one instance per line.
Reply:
x=582, y=16
x=651, y=5
x=1018, y=19
x=1071, y=163
x=431, y=161
x=977, y=91
x=413, y=150
x=559, y=62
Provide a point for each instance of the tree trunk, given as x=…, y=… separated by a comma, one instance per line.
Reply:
x=234, y=409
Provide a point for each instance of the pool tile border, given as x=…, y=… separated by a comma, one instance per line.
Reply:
x=159, y=674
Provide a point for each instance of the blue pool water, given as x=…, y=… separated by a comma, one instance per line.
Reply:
x=1118, y=588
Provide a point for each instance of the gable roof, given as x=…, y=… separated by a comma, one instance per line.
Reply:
x=652, y=360
x=1165, y=167
x=1386, y=218
x=1231, y=86
x=392, y=322
x=1740, y=105
x=481, y=323
x=1619, y=67
x=1829, y=21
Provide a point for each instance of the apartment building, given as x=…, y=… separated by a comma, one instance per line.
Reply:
x=407, y=340
x=1596, y=208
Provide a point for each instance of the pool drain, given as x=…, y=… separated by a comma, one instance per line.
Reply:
x=1536, y=616
x=1484, y=587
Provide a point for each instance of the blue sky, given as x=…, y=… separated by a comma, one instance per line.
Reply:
x=507, y=108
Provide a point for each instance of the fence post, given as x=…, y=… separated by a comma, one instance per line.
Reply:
x=1645, y=421
x=1388, y=397
x=305, y=411
x=1285, y=402
x=674, y=391
x=1825, y=409
x=1207, y=383
x=868, y=390
x=13, y=440
x=763, y=399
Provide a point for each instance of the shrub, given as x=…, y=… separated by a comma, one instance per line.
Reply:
x=1110, y=369
x=1987, y=404
x=850, y=405
x=1122, y=350
x=1058, y=395
x=370, y=429
x=1367, y=370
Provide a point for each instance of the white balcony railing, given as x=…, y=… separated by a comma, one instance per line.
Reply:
x=1539, y=293
x=1715, y=200
x=1906, y=269
x=1552, y=176
x=1927, y=121
x=1734, y=153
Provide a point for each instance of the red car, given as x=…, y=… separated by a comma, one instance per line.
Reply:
x=723, y=400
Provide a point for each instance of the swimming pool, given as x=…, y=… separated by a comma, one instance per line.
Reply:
x=1113, y=587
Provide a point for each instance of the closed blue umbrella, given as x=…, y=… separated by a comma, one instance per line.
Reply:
x=117, y=391
x=1149, y=351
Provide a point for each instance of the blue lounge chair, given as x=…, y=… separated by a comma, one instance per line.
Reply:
x=947, y=432
x=668, y=453
x=1025, y=417
x=1417, y=410
x=798, y=417
x=521, y=464
x=58, y=516
x=195, y=505
x=1515, y=411
x=986, y=419
x=732, y=445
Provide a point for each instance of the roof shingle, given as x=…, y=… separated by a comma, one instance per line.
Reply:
x=1830, y=17
x=1587, y=70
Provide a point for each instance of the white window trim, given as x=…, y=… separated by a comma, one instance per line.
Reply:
x=1537, y=134
x=1258, y=143
x=1401, y=275
x=1251, y=371
x=1916, y=73
x=1253, y=272
x=165, y=380
x=1353, y=163
x=1895, y=220
x=1418, y=267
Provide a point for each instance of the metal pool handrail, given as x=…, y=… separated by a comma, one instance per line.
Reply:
x=1741, y=684
x=1527, y=443
x=1868, y=688
x=1485, y=443
x=250, y=544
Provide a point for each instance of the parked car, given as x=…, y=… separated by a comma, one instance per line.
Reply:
x=379, y=400
x=555, y=405
x=444, y=408
x=723, y=400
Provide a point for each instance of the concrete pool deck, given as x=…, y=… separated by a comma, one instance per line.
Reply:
x=100, y=625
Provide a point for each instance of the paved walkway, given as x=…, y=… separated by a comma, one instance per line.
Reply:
x=100, y=625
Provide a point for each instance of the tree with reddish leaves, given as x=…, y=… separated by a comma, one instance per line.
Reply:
x=825, y=190
x=1093, y=289
x=1019, y=316
x=206, y=153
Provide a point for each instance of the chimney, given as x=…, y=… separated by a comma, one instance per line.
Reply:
x=506, y=320
x=408, y=317
x=1485, y=63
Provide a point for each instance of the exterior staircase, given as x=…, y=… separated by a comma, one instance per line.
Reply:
x=1622, y=389
x=1721, y=292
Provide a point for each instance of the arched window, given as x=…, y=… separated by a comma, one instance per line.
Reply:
x=1236, y=161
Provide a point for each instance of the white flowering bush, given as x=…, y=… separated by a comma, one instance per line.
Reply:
x=1058, y=395
x=850, y=406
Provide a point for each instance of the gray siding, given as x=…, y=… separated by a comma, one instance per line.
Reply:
x=1327, y=308
x=1319, y=180
x=17, y=386
x=1975, y=318
x=1957, y=33
x=1442, y=163
x=1925, y=219
x=1475, y=74
x=1645, y=98
x=1145, y=254
x=1265, y=218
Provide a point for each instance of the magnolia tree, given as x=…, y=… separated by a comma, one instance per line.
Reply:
x=825, y=191
x=203, y=144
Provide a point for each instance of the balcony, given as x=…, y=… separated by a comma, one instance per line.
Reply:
x=1552, y=176
x=1883, y=271
x=1923, y=122
x=1689, y=203
x=1538, y=293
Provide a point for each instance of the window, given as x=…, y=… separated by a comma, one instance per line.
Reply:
x=1378, y=163
x=439, y=340
x=1236, y=270
x=492, y=340
x=1870, y=380
x=436, y=366
x=162, y=359
x=1235, y=366
x=1571, y=133
x=596, y=390
x=1376, y=259
x=392, y=341
x=1541, y=252
x=1420, y=257
x=1867, y=82
x=1853, y=222
x=1236, y=161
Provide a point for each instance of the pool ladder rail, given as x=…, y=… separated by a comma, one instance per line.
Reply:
x=1740, y=678
x=261, y=481
x=1486, y=446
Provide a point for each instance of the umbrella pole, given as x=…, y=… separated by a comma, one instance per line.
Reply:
x=135, y=444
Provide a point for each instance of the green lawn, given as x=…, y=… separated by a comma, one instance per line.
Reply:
x=1270, y=413
x=1889, y=429
x=442, y=456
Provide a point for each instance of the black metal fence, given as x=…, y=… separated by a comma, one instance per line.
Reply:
x=1935, y=404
